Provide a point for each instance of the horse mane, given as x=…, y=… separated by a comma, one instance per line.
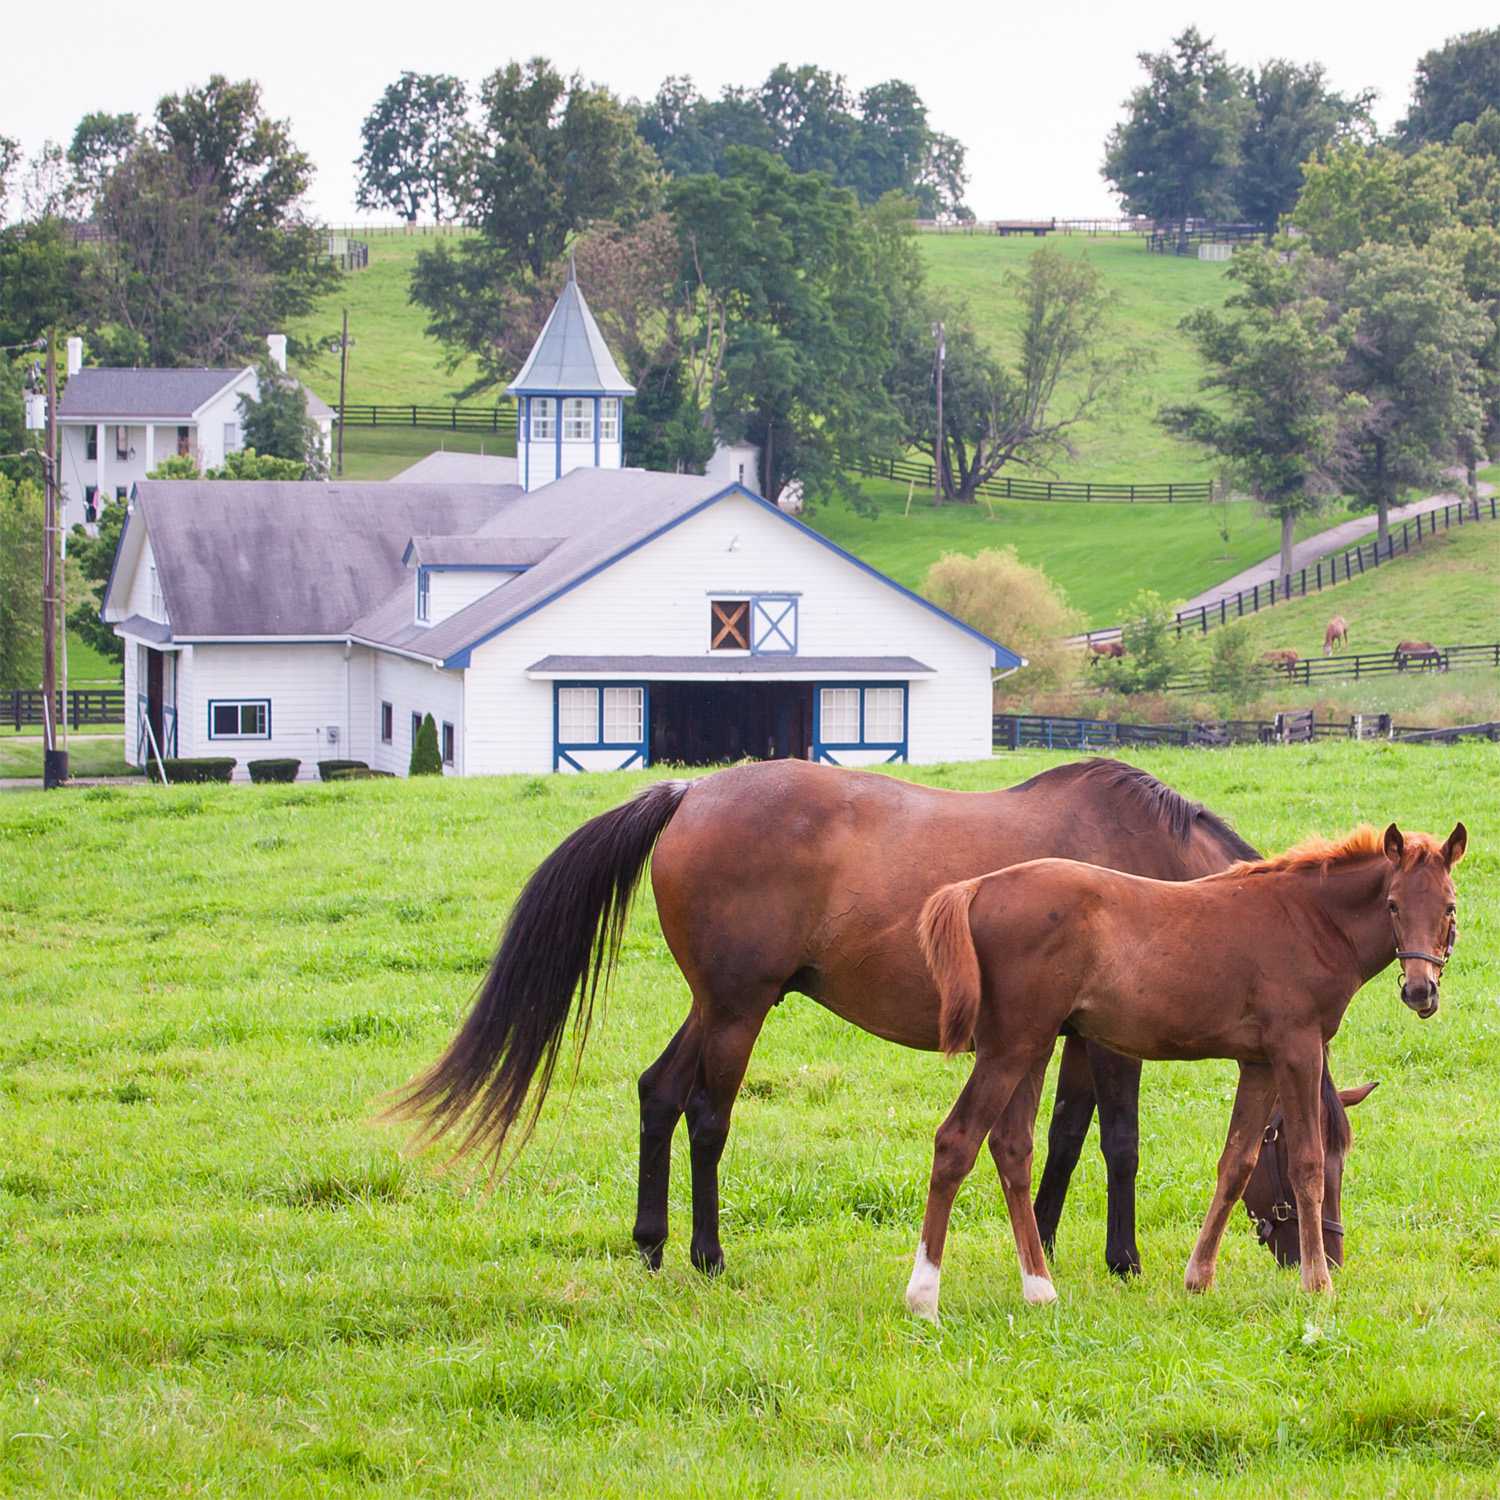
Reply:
x=1319, y=853
x=1155, y=798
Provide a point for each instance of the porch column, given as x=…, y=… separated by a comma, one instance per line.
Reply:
x=150, y=447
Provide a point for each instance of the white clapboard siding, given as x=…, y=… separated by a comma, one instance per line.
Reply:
x=412, y=687
x=452, y=589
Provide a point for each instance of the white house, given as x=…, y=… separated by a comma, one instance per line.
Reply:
x=115, y=425
x=608, y=618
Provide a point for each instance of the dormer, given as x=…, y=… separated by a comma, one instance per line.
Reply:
x=451, y=572
x=569, y=396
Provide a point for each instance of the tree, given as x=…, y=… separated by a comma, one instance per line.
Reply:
x=690, y=134
x=1413, y=360
x=811, y=119
x=275, y=424
x=1174, y=155
x=998, y=594
x=1282, y=424
x=101, y=141
x=1293, y=116
x=42, y=281
x=792, y=324
x=1154, y=650
x=1455, y=83
x=1022, y=410
x=47, y=187
x=426, y=758
x=243, y=463
x=1235, y=673
x=10, y=160
x=20, y=582
x=95, y=559
x=1354, y=194
x=411, y=139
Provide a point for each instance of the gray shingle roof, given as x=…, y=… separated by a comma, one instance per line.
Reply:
x=461, y=468
x=146, y=630
x=721, y=664
x=479, y=551
x=141, y=393
x=289, y=558
x=570, y=353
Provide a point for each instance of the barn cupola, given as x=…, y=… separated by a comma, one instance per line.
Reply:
x=568, y=396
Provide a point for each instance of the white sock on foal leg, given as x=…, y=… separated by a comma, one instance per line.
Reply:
x=922, y=1289
x=1037, y=1289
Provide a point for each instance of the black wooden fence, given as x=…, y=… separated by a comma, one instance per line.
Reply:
x=1173, y=240
x=452, y=418
x=1359, y=664
x=1337, y=568
x=1190, y=491
x=22, y=706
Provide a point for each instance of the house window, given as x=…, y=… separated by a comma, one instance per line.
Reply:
x=91, y=502
x=91, y=443
x=728, y=624
x=609, y=420
x=578, y=420
x=122, y=442
x=387, y=723
x=424, y=594
x=839, y=716
x=773, y=624
x=231, y=437
x=447, y=743
x=416, y=727
x=158, y=604
x=578, y=716
x=624, y=715
x=245, y=719
x=543, y=418
x=120, y=493
x=184, y=441
x=854, y=717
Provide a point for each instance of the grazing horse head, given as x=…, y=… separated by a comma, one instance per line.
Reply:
x=1337, y=631
x=1269, y=1198
x=1420, y=900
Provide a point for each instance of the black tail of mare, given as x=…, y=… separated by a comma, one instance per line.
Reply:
x=563, y=938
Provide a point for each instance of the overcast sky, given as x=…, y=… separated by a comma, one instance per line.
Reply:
x=1031, y=90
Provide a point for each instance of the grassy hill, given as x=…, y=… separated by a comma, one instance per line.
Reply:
x=224, y=1277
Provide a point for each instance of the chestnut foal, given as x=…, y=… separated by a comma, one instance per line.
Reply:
x=1143, y=967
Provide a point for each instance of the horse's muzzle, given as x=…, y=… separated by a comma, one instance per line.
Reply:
x=1420, y=995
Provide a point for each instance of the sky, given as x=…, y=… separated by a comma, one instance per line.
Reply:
x=1031, y=90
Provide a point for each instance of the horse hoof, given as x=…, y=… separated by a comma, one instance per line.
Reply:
x=710, y=1262
x=651, y=1255
x=1197, y=1282
x=923, y=1304
x=1125, y=1269
x=1038, y=1290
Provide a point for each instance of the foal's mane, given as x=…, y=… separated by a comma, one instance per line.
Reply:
x=1319, y=853
x=1155, y=798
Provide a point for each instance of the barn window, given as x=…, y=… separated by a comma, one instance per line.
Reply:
x=839, y=713
x=609, y=420
x=855, y=717
x=885, y=715
x=158, y=604
x=387, y=723
x=624, y=715
x=773, y=624
x=416, y=727
x=243, y=719
x=543, y=418
x=578, y=420
x=447, y=743
x=729, y=625
x=424, y=594
x=578, y=716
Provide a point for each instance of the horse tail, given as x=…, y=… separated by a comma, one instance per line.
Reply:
x=948, y=946
x=562, y=939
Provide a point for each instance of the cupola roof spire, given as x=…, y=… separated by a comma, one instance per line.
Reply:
x=570, y=356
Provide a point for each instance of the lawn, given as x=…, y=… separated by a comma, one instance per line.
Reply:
x=100, y=754
x=1100, y=555
x=383, y=452
x=222, y=1278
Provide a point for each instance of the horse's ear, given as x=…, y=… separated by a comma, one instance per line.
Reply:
x=1395, y=845
x=1351, y=1097
x=1458, y=841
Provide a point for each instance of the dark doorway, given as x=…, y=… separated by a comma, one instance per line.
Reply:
x=705, y=723
x=155, y=664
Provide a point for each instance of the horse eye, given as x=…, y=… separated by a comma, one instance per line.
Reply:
x=1452, y=910
x=1392, y=906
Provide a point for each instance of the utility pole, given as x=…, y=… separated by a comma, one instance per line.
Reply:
x=54, y=758
x=939, y=448
x=343, y=376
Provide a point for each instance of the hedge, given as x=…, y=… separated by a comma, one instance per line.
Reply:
x=284, y=769
x=328, y=768
x=356, y=773
x=198, y=768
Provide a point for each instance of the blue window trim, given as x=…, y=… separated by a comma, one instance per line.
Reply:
x=640, y=750
x=776, y=628
x=1004, y=657
x=214, y=703
x=597, y=402
x=821, y=748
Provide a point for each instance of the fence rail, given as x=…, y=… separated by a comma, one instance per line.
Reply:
x=1337, y=568
x=1172, y=240
x=1051, y=732
x=1358, y=665
x=1191, y=491
x=23, y=706
x=452, y=418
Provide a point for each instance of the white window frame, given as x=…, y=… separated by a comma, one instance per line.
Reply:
x=880, y=701
x=387, y=722
x=260, y=721
x=578, y=419
x=447, y=743
x=624, y=706
x=609, y=420
x=542, y=412
x=577, y=709
x=232, y=441
x=424, y=596
x=844, y=702
x=834, y=714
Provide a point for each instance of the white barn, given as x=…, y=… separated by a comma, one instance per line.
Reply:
x=608, y=618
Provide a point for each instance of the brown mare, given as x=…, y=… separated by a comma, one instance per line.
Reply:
x=1257, y=964
x=784, y=877
x=1337, y=634
x=1423, y=651
x=1284, y=660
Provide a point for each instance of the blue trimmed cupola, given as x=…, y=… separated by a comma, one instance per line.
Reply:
x=568, y=396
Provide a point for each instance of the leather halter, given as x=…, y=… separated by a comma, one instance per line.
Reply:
x=1283, y=1200
x=1435, y=959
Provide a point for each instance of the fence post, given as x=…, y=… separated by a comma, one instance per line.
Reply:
x=1304, y=582
x=414, y=414
x=1320, y=577
x=1255, y=607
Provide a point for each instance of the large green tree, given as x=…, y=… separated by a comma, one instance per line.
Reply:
x=275, y=423
x=1356, y=194
x=20, y=582
x=100, y=143
x=42, y=275
x=1279, y=420
x=411, y=142
x=1173, y=157
x=1455, y=83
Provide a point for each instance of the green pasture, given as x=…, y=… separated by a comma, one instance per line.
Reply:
x=383, y=452
x=220, y=1277
x=1100, y=555
x=91, y=752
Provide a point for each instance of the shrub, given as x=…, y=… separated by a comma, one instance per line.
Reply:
x=273, y=770
x=1234, y=673
x=198, y=768
x=328, y=769
x=1154, y=652
x=356, y=773
x=425, y=757
x=1012, y=603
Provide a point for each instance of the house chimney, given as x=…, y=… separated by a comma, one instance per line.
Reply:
x=75, y=356
x=276, y=343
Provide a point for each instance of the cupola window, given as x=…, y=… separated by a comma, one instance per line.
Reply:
x=578, y=420
x=543, y=418
x=609, y=420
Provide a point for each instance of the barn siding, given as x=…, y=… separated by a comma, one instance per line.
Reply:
x=452, y=589
x=413, y=687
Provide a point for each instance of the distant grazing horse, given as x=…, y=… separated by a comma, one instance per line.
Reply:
x=1111, y=649
x=1146, y=967
x=783, y=877
x=1284, y=660
x=1419, y=651
x=1337, y=634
